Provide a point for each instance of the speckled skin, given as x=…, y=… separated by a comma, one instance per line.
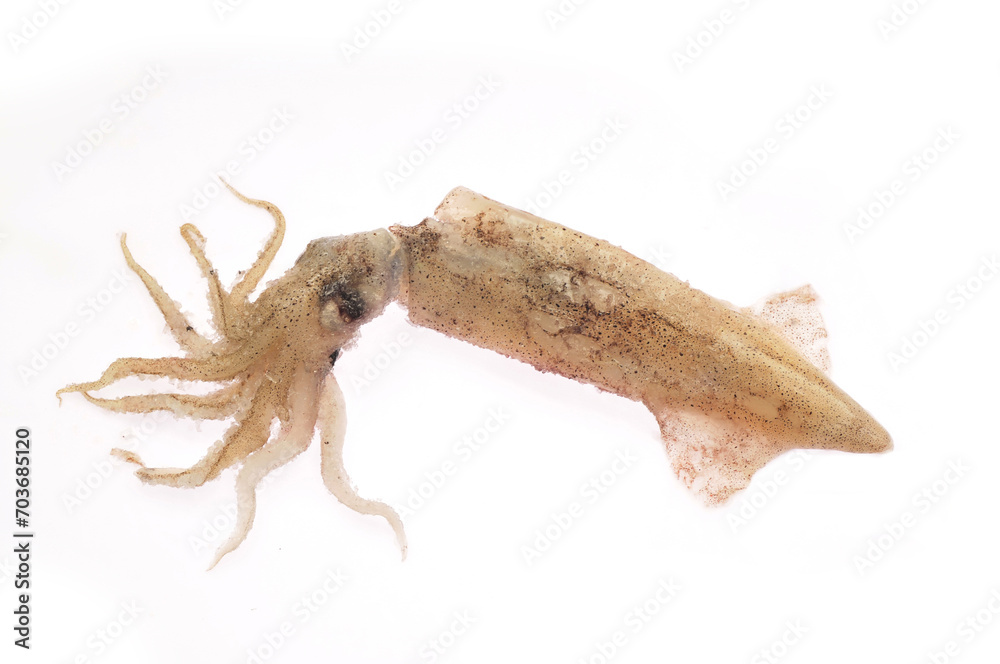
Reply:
x=278, y=351
x=568, y=303
x=727, y=386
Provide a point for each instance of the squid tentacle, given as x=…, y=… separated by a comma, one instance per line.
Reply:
x=214, y=406
x=333, y=427
x=249, y=431
x=241, y=291
x=183, y=332
x=253, y=432
x=223, y=318
x=223, y=367
x=194, y=476
x=277, y=349
x=295, y=436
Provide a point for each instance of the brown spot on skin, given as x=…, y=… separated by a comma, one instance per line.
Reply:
x=716, y=377
x=731, y=388
x=275, y=349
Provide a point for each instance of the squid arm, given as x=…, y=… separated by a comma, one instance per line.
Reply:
x=731, y=388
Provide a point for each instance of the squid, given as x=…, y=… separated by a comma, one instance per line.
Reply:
x=731, y=388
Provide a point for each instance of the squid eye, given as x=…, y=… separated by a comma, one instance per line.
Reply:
x=352, y=306
x=349, y=302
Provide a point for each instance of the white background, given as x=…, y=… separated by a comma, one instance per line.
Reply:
x=826, y=552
